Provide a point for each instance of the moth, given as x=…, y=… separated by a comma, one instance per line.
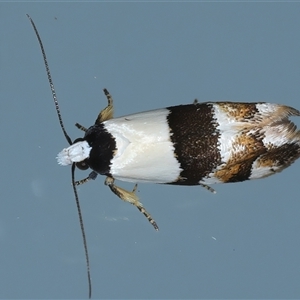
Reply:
x=192, y=144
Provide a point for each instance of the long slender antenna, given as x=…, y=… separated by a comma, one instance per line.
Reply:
x=82, y=231
x=50, y=82
x=73, y=165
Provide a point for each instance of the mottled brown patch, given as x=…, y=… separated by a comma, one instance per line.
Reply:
x=234, y=173
x=279, y=157
x=246, y=146
x=241, y=112
x=245, y=150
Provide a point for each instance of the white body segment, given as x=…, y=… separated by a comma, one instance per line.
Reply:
x=145, y=152
x=75, y=153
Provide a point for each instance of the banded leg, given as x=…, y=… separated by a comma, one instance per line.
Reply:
x=208, y=188
x=93, y=175
x=130, y=197
x=79, y=126
x=108, y=112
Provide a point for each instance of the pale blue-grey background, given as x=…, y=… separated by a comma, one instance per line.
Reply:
x=243, y=242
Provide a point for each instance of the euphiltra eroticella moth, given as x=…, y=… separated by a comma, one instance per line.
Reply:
x=192, y=144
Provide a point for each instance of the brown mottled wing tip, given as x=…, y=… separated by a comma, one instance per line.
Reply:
x=287, y=111
x=270, y=113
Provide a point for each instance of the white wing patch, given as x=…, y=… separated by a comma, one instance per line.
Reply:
x=145, y=152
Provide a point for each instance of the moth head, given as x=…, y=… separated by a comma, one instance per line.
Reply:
x=77, y=153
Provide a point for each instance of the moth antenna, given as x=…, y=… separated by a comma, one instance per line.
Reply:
x=82, y=231
x=50, y=82
x=73, y=165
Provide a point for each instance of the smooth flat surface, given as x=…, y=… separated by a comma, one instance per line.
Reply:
x=243, y=242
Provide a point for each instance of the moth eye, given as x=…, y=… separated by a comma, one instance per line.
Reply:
x=82, y=165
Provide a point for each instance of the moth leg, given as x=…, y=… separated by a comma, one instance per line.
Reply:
x=208, y=188
x=108, y=112
x=93, y=175
x=130, y=197
x=79, y=126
